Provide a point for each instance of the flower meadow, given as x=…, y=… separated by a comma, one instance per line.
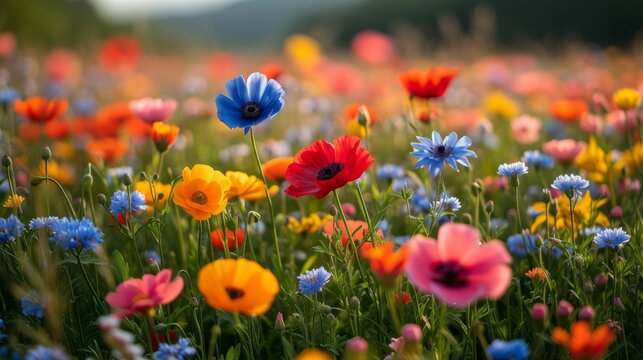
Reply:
x=310, y=205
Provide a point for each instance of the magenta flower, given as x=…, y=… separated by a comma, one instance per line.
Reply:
x=143, y=295
x=457, y=268
x=152, y=110
x=564, y=151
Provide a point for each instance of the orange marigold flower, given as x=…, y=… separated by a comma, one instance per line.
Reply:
x=583, y=343
x=431, y=83
x=235, y=238
x=202, y=192
x=40, y=109
x=109, y=149
x=537, y=272
x=164, y=135
x=568, y=111
x=238, y=285
x=275, y=169
x=385, y=263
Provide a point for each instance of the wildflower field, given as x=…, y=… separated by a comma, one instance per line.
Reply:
x=312, y=203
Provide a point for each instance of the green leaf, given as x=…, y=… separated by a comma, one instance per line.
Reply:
x=122, y=268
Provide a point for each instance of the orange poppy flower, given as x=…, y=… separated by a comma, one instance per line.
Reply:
x=119, y=52
x=108, y=120
x=109, y=149
x=162, y=192
x=40, y=109
x=583, y=343
x=238, y=285
x=386, y=264
x=29, y=131
x=431, y=83
x=234, y=238
x=272, y=70
x=275, y=169
x=247, y=187
x=202, y=192
x=57, y=129
x=164, y=135
x=568, y=111
x=353, y=225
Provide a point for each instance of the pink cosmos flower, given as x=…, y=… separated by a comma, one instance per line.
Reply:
x=526, y=129
x=457, y=268
x=565, y=150
x=143, y=295
x=153, y=110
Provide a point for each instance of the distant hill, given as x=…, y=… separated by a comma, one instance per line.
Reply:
x=249, y=23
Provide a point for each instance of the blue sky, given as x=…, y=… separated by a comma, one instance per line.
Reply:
x=128, y=9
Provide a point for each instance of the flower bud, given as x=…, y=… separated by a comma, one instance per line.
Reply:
x=349, y=209
x=601, y=280
x=356, y=349
x=466, y=218
x=411, y=333
x=194, y=302
x=46, y=153
x=253, y=217
x=355, y=303
x=618, y=303
x=616, y=212
x=37, y=180
x=546, y=196
x=363, y=116
x=126, y=179
x=564, y=309
x=586, y=313
x=588, y=286
x=476, y=187
x=101, y=199
x=540, y=314
x=489, y=206
x=160, y=327
x=332, y=210
x=279, y=322
x=88, y=180
x=6, y=161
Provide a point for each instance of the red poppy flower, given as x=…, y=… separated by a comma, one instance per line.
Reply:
x=429, y=84
x=234, y=237
x=323, y=167
x=40, y=109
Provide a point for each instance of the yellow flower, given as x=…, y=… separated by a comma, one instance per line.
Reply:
x=314, y=354
x=202, y=192
x=598, y=164
x=632, y=158
x=353, y=127
x=626, y=98
x=247, y=187
x=302, y=50
x=309, y=224
x=162, y=192
x=13, y=201
x=585, y=213
x=497, y=103
x=63, y=173
x=238, y=285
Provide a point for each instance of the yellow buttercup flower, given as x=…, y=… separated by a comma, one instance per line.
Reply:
x=586, y=213
x=247, y=187
x=497, y=103
x=202, y=192
x=626, y=98
x=161, y=192
x=13, y=201
x=309, y=224
x=632, y=158
x=597, y=163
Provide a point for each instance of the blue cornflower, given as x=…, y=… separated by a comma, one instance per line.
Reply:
x=571, y=185
x=521, y=248
x=249, y=103
x=8, y=95
x=434, y=152
x=448, y=203
x=179, y=351
x=421, y=200
x=497, y=224
x=508, y=350
x=152, y=256
x=399, y=184
x=514, y=169
x=537, y=159
x=42, y=222
x=312, y=281
x=389, y=172
x=46, y=353
x=611, y=238
x=71, y=234
x=122, y=203
x=118, y=173
x=10, y=229
x=32, y=304
x=383, y=225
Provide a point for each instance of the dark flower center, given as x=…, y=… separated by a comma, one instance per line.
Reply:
x=450, y=274
x=441, y=149
x=329, y=171
x=199, y=197
x=251, y=110
x=234, y=293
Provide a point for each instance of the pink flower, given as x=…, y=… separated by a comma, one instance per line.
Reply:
x=526, y=129
x=153, y=110
x=143, y=295
x=456, y=268
x=591, y=123
x=373, y=47
x=565, y=150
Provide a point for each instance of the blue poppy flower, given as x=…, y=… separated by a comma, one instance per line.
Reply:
x=249, y=103
x=313, y=281
x=434, y=152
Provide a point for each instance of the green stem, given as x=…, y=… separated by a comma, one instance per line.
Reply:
x=272, y=210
